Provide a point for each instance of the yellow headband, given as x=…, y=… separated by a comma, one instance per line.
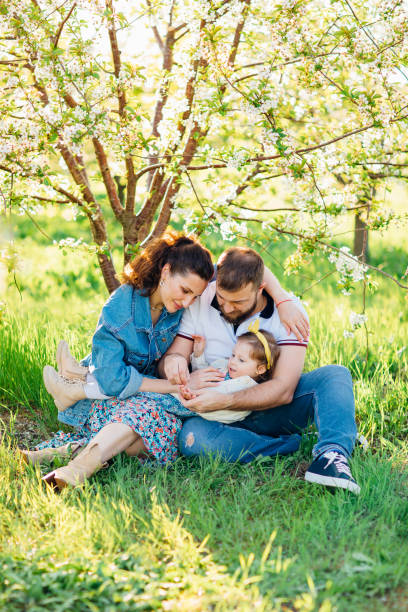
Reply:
x=254, y=328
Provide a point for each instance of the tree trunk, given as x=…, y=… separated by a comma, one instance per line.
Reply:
x=108, y=272
x=360, y=247
x=99, y=234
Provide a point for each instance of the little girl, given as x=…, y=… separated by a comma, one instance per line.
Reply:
x=253, y=360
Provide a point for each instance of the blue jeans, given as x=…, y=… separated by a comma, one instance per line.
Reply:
x=323, y=396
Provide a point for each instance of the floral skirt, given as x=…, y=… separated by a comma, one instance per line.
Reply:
x=147, y=414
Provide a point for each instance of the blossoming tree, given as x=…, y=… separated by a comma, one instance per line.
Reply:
x=198, y=108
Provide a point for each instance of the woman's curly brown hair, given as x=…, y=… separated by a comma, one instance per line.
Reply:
x=184, y=254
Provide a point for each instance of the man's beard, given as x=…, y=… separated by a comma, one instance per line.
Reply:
x=242, y=316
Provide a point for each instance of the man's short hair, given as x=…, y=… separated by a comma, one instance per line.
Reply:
x=239, y=266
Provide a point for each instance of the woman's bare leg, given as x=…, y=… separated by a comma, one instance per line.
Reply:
x=137, y=448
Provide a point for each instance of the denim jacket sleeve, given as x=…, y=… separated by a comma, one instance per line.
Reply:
x=114, y=376
x=116, y=334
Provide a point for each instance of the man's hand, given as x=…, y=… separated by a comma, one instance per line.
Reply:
x=294, y=320
x=207, y=401
x=176, y=369
x=206, y=377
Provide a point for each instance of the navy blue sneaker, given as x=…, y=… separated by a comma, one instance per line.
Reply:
x=332, y=470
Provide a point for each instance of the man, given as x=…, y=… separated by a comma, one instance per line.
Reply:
x=284, y=405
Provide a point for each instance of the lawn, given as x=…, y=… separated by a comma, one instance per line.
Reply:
x=203, y=534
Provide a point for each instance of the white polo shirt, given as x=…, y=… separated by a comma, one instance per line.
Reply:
x=204, y=318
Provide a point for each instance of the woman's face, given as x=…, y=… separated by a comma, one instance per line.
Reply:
x=242, y=364
x=180, y=290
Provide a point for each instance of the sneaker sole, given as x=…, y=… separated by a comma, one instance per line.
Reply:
x=329, y=481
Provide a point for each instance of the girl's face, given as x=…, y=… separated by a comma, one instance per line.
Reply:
x=242, y=364
x=179, y=290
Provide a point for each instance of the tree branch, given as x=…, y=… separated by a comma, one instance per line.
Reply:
x=194, y=191
x=63, y=22
x=34, y=222
x=109, y=183
x=155, y=28
x=299, y=151
x=237, y=33
x=329, y=247
x=68, y=195
x=165, y=213
x=76, y=173
x=163, y=90
x=43, y=199
x=130, y=171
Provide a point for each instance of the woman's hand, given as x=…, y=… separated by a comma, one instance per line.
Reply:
x=176, y=369
x=206, y=377
x=294, y=320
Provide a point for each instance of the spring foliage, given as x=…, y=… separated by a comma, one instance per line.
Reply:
x=198, y=108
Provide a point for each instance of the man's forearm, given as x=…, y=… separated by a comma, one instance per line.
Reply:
x=273, y=287
x=261, y=397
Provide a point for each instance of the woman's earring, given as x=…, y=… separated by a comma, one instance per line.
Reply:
x=161, y=283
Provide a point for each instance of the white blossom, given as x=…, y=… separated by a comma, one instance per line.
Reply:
x=357, y=320
x=348, y=265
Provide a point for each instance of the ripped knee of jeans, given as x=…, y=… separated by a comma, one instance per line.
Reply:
x=189, y=440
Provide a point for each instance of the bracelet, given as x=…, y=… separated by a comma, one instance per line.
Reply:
x=282, y=301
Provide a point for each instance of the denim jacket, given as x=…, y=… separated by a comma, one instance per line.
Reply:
x=125, y=347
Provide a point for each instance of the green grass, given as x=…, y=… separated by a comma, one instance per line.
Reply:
x=132, y=539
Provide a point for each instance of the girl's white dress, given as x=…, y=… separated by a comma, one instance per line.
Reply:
x=229, y=385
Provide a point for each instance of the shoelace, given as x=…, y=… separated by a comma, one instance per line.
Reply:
x=71, y=381
x=339, y=461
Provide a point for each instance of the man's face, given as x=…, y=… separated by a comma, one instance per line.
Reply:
x=236, y=306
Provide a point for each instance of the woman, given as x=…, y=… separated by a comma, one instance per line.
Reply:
x=137, y=325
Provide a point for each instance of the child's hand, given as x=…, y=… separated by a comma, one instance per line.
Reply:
x=199, y=345
x=186, y=393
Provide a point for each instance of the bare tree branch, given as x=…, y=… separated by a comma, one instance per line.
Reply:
x=69, y=195
x=61, y=27
x=43, y=199
x=109, y=183
x=194, y=191
x=155, y=28
x=165, y=212
x=34, y=222
x=130, y=171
